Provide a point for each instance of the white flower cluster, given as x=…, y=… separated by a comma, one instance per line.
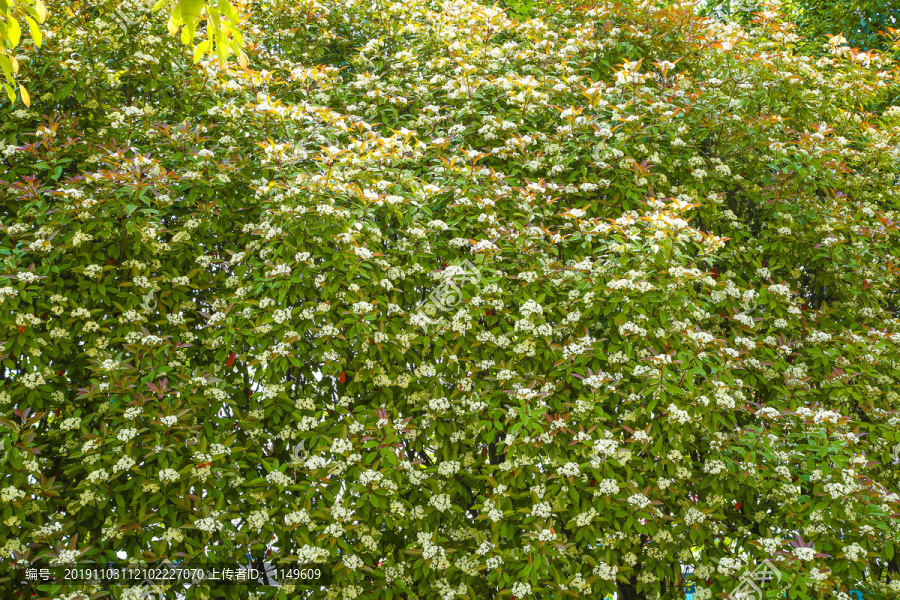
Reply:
x=125, y=463
x=208, y=524
x=714, y=467
x=98, y=476
x=818, y=337
x=448, y=468
x=257, y=519
x=65, y=557
x=729, y=566
x=341, y=446
x=694, y=516
x=278, y=478
x=780, y=289
x=767, y=413
x=770, y=545
x=430, y=550
x=607, y=447
x=596, y=380
x=586, y=518
x=32, y=380
x=677, y=415
x=826, y=416
x=569, y=469
x=312, y=554
x=297, y=517
x=630, y=328
x=173, y=535
x=11, y=494
x=605, y=571
x=639, y=500
x=854, y=552
x=440, y=502
x=167, y=475
x=70, y=423
x=541, y=510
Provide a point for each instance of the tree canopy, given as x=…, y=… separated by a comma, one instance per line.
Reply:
x=860, y=21
x=452, y=302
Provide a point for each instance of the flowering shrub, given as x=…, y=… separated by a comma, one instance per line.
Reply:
x=676, y=343
x=222, y=25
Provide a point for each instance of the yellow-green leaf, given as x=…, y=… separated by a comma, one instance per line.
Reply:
x=201, y=49
x=236, y=35
x=41, y=11
x=25, y=97
x=190, y=9
x=7, y=69
x=13, y=32
x=190, y=15
x=175, y=20
x=35, y=31
x=227, y=9
x=213, y=13
x=221, y=51
x=188, y=33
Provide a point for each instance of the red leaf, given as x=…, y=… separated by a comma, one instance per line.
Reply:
x=230, y=360
x=343, y=377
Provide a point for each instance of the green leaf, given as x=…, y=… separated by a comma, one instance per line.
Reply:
x=35, y=29
x=201, y=49
x=13, y=31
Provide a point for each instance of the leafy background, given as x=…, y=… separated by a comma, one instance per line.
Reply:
x=681, y=351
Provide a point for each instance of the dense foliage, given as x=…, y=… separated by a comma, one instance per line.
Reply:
x=859, y=21
x=864, y=24
x=223, y=30
x=223, y=336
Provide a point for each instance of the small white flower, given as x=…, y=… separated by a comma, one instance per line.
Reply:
x=639, y=500
x=169, y=475
x=570, y=469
